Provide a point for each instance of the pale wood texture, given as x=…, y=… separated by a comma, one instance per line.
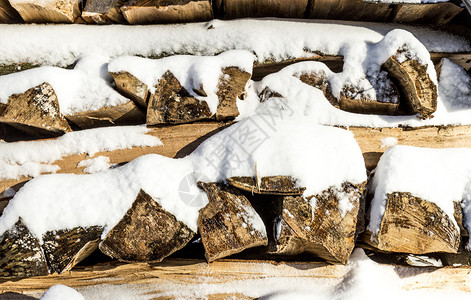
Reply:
x=131, y=87
x=35, y=111
x=147, y=232
x=60, y=11
x=161, y=11
x=413, y=225
x=8, y=14
x=230, y=87
x=270, y=185
x=124, y=114
x=226, y=222
x=262, y=8
x=194, y=271
x=103, y=11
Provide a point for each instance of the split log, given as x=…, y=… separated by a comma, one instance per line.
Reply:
x=228, y=224
x=63, y=11
x=147, y=232
x=327, y=230
x=167, y=11
x=35, y=111
x=262, y=8
x=367, y=106
x=269, y=185
x=429, y=13
x=172, y=103
x=65, y=248
x=417, y=90
x=103, y=12
x=8, y=14
x=124, y=114
x=20, y=253
x=132, y=88
x=413, y=225
x=319, y=80
x=230, y=87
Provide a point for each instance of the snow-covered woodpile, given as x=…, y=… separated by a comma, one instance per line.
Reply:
x=222, y=140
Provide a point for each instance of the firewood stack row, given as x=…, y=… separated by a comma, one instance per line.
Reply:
x=179, y=11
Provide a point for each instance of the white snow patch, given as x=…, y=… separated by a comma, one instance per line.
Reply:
x=441, y=176
x=85, y=88
x=388, y=142
x=455, y=86
x=35, y=157
x=97, y=164
x=60, y=292
x=193, y=72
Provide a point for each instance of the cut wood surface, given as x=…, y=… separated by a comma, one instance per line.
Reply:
x=186, y=272
x=103, y=11
x=131, y=87
x=59, y=11
x=181, y=140
x=161, y=11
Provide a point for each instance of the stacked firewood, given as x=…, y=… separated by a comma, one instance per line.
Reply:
x=177, y=11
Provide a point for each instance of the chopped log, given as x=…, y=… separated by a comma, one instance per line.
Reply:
x=103, y=12
x=147, y=232
x=262, y=8
x=231, y=86
x=413, y=225
x=172, y=103
x=20, y=253
x=367, y=106
x=124, y=114
x=36, y=112
x=66, y=248
x=417, y=90
x=59, y=11
x=228, y=224
x=132, y=88
x=270, y=185
x=354, y=10
x=320, y=80
x=430, y=13
x=327, y=230
x=8, y=14
x=167, y=11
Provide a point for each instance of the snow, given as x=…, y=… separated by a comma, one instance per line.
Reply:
x=193, y=72
x=60, y=292
x=455, y=85
x=62, y=45
x=440, y=176
x=35, y=157
x=388, y=142
x=97, y=164
x=319, y=157
x=85, y=88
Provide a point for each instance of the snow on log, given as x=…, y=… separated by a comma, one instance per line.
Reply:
x=417, y=206
x=8, y=14
x=418, y=90
x=20, y=253
x=147, y=232
x=262, y=8
x=131, y=87
x=161, y=11
x=268, y=185
x=319, y=79
x=228, y=224
x=103, y=12
x=36, y=111
x=48, y=11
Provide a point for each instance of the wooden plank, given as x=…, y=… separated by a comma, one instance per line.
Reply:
x=187, y=272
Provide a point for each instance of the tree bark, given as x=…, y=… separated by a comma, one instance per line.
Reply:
x=262, y=8
x=8, y=14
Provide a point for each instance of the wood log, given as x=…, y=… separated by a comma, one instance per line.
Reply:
x=167, y=11
x=20, y=253
x=36, y=112
x=367, y=106
x=327, y=230
x=65, y=248
x=147, y=232
x=228, y=224
x=132, y=88
x=413, y=225
x=103, y=12
x=230, y=87
x=8, y=14
x=63, y=11
x=262, y=8
x=270, y=185
x=354, y=10
x=430, y=13
x=417, y=90
x=172, y=103
x=124, y=114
